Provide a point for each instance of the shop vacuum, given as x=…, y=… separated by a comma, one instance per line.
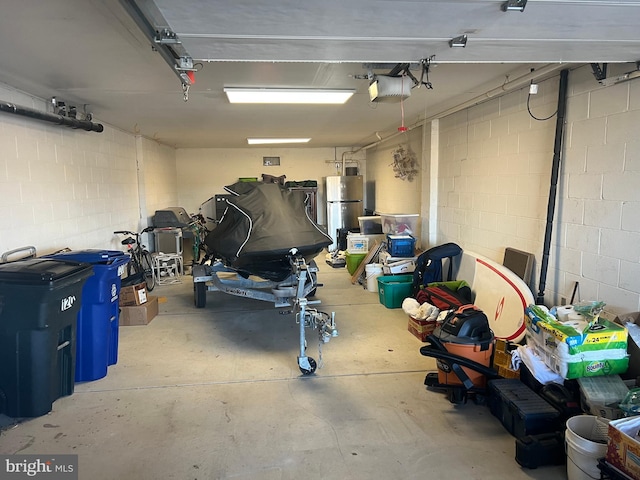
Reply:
x=462, y=347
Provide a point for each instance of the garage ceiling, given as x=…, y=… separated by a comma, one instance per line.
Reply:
x=93, y=52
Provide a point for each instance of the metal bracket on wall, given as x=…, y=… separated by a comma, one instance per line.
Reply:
x=601, y=75
x=600, y=72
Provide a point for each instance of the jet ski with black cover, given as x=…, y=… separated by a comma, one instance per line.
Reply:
x=260, y=225
x=263, y=248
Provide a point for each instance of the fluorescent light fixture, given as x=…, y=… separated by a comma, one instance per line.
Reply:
x=460, y=41
x=514, y=6
x=263, y=141
x=287, y=95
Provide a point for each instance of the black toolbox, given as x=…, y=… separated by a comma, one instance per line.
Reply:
x=533, y=451
x=521, y=410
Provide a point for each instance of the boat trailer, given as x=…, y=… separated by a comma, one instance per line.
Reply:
x=291, y=293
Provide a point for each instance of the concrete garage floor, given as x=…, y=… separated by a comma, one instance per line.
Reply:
x=216, y=393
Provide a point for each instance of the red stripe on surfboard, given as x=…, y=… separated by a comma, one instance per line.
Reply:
x=520, y=330
x=498, y=272
x=499, y=309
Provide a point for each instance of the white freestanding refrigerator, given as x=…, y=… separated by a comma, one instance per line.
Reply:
x=344, y=204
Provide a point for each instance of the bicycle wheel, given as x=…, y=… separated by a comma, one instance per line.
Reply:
x=147, y=265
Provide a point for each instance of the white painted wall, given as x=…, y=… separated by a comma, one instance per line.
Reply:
x=158, y=172
x=394, y=195
x=62, y=187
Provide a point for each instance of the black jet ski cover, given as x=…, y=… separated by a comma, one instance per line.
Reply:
x=260, y=226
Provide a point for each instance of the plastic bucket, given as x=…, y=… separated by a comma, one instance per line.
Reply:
x=372, y=272
x=582, y=452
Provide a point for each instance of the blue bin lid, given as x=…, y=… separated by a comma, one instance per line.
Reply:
x=93, y=256
x=42, y=271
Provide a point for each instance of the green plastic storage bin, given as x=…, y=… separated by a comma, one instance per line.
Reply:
x=393, y=289
x=353, y=261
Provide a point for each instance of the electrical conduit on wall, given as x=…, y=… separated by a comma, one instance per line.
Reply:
x=557, y=156
x=50, y=117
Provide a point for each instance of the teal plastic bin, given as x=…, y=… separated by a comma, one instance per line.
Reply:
x=393, y=289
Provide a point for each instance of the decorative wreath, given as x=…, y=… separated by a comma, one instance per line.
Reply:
x=405, y=163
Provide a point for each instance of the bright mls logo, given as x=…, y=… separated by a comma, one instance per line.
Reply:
x=51, y=467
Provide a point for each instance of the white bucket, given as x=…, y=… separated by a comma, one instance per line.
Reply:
x=582, y=452
x=372, y=272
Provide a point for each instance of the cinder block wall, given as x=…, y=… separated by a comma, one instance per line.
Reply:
x=598, y=242
x=495, y=163
x=62, y=187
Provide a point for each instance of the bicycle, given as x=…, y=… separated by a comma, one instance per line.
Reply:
x=141, y=263
x=198, y=227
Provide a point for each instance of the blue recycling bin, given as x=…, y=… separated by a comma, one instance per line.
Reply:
x=98, y=318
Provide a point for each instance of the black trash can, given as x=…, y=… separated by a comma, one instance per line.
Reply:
x=39, y=304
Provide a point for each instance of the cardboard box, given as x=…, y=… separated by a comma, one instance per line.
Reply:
x=508, y=372
x=623, y=448
x=133, y=295
x=139, y=314
x=400, y=267
x=421, y=329
x=502, y=353
x=502, y=359
x=385, y=257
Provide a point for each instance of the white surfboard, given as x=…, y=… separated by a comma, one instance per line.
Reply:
x=499, y=293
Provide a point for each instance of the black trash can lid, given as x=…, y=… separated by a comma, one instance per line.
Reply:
x=40, y=271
